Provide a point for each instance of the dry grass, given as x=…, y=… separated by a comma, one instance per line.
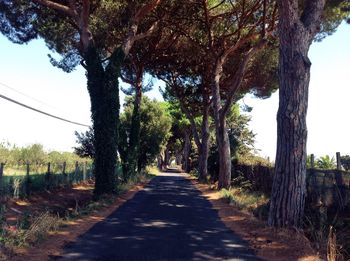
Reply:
x=40, y=227
x=332, y=246
x=244, y=200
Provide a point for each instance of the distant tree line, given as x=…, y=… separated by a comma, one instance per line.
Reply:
x=34, y=154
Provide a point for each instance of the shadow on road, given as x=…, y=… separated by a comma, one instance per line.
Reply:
x=168, y=220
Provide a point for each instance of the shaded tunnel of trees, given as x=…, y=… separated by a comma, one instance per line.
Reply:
x=209, y=53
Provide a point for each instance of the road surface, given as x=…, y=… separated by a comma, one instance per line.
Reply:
x=168, y=220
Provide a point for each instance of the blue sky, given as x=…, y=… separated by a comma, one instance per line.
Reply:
x=27, y=69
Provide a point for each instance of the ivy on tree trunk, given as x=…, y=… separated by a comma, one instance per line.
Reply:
x=104, y=95
x=134, y=139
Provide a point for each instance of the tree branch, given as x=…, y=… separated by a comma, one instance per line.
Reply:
x=312, y=14
x=85, y=34
x=56, y=6
x=132, y=34
x=124, y=79
x=239, y=76
x=148, y=33
x=145, y=10
x=184, y=109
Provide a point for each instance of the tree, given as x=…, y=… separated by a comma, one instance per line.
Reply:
x=297, y=28
x=154, y=129
x=181, y=137
x=33, y=154
x=202, y=33
x=241, y=140
x=192, y=95
x=86, y=140
x=229, y=35
x=133, y=73
x=98, y=35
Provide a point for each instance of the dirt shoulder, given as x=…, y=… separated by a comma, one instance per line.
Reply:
x=269, y=244
x=58, y=202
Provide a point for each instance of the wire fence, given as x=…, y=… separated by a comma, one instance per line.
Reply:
x=22, y=180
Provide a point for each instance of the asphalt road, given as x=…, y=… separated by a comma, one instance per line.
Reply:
x=167, y=220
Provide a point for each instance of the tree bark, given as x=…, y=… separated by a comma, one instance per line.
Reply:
x=166, y=161
x=186, y=153
x=204, y=146
x=289, y=189
x=104, y=95
x=224, y=155
x=178, y=159
x=221, y=132
x=134, y=139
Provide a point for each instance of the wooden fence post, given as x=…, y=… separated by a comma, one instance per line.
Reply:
x=338, y=161
x=84, y=171
x=28, y=182
x=312, y=161
x=65, y=176
x=47, y=176
x=76, y=171
x=1, y=178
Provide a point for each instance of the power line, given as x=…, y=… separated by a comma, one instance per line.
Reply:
x=42, y=112
x=26, y=95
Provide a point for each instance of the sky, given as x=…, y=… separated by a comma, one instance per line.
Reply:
x=329, y=101
x=26, y=68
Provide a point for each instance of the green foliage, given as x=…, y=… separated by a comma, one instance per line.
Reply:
x=241, y=137
x=241, y=141
x=335, y=12
x=253, y=160
x=244, y=199
x=179, y=128
x=326, y=162
x=154, y=130
x=34, y=154
x=85, y=141
x=323, y=162
x=345, y=162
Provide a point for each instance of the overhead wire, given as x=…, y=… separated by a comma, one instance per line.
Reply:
x=28, y=96
x=42, y=112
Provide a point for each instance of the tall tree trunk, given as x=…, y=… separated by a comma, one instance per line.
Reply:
x=221, y=132
x=160, y=162
x=166, y=158
x=178, y=159
x=296, y=35
x=224, y=155
x=204, y=146
x=186, y=153
x=104, y=96
x=134, y=139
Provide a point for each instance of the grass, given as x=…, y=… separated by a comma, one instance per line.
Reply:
x=152, y=170
x=243, y=199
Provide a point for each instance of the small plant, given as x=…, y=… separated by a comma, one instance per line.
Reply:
x=40, y=227
x=326, y=162
x=332, y=245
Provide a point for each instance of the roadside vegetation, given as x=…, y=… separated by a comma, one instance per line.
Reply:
x=25, y=223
